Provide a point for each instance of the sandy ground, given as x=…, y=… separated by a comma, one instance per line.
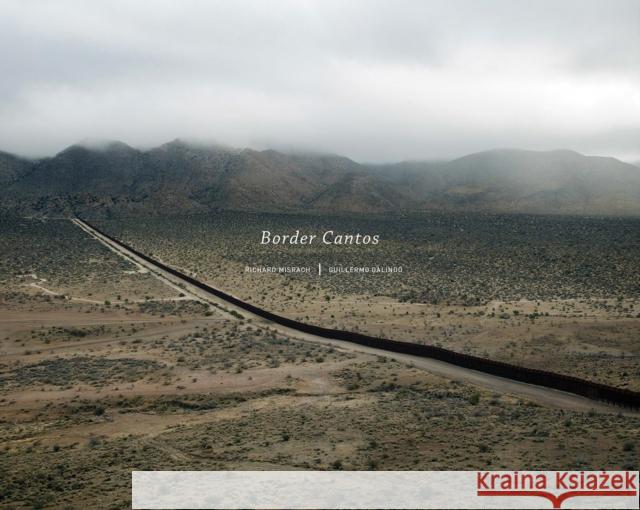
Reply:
x=90, y=391
x=539, y=394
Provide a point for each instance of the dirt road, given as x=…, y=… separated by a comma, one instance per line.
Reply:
x=539, y=394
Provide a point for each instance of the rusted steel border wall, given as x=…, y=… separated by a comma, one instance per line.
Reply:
x=589, y=389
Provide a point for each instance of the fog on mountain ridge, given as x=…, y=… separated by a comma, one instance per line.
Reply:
x=182, y=177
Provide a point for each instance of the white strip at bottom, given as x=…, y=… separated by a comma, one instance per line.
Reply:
x=381, y=489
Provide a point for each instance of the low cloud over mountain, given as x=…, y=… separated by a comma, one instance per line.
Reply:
x=114, y=178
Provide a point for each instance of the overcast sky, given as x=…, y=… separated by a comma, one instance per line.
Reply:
x=372, y=80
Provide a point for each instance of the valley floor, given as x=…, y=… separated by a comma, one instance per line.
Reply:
x=99, y=378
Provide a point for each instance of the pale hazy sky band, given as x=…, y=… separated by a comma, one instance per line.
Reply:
x=373, y=80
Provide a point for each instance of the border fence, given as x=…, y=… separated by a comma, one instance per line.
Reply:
x=589, y=389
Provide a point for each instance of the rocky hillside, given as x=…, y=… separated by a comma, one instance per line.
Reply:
x=12, y=168
x=183, y=177
x=508, y=180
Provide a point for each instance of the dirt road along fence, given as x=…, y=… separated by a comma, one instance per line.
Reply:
x=589, y=389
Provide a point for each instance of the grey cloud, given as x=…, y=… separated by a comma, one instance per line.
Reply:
x=374, y=80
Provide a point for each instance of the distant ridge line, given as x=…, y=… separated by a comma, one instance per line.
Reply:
x=179, y=177
x=582, y=387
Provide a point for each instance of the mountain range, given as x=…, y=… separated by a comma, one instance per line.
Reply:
x=182, y=177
